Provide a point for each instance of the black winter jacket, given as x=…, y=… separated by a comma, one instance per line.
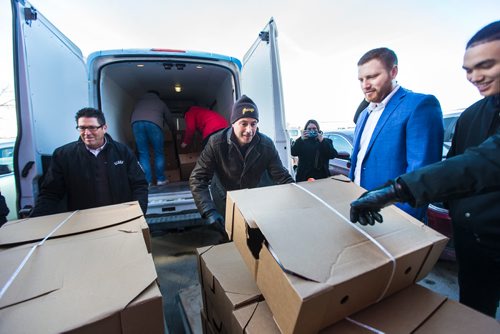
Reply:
x=222, y=157
x=470, y=181
x=72, y=173
x=314, y=158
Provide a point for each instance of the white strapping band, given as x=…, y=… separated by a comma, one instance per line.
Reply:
x=374, y=330
x=382, y=248
x=27, y=257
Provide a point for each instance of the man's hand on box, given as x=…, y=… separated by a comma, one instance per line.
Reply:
x=366, y=208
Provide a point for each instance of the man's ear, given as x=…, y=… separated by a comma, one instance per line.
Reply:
x=394, y=72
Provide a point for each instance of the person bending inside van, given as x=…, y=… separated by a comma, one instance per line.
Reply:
x=148, y=119
x=204, y=120
x=236, y=158
x=93, y=171
x=314, y=153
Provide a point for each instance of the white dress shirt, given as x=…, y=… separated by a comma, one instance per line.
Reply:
x=375, y=110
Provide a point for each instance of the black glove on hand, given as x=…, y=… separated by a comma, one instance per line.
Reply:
x=365, y=209
x=213, y=216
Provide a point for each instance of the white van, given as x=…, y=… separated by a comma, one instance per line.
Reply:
x=53, y=80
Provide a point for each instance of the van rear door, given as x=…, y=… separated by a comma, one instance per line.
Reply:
x=261, y=81
x=51, y=86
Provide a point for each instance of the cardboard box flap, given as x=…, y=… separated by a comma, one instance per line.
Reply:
x=456, y=318
x=225, y=264
x=396, y=315
x=339, y=247
x=34, y=229
x=102, y=275
x=49, y=275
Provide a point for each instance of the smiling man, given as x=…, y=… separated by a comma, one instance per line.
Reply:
x=400, y=131
x=92, y=171
x=235, y=158
x=468, y=180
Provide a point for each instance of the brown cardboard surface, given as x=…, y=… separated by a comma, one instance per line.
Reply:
x=337, y=270
x=226, y=283
x=416, y=310
x=186, y=170
x=97, y=275
x=188, y=158
x=173, y=175
x=34, y=229
x=254, y=319
x=453, y=317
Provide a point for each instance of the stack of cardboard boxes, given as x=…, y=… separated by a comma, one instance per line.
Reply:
x=89, y=271
x=300, y=266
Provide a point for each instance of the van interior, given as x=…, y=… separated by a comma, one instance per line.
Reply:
x=181, y=84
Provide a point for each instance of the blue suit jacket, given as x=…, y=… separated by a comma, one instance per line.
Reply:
x=408, y=135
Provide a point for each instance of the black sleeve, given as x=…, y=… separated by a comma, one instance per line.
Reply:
x=53, y=187
x=4, y=210
x=475, y=171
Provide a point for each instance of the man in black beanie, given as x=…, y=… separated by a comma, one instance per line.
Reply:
x=236, y=158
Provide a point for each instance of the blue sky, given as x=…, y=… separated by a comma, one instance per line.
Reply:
x=320, y=42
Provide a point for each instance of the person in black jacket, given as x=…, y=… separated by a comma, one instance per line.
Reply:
x=4, y=210
x=238, y=157
x=314, y=152
x=92, y=171
x=469, y=180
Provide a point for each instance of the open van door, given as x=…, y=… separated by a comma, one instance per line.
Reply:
x=261, y=81
x=51, y=86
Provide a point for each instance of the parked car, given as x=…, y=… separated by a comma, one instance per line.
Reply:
x=343, y=143
x=7, y=180
x=437, y=215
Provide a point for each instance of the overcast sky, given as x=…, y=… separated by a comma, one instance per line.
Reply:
x=320, y=42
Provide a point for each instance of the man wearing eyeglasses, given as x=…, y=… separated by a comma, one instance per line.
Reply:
x=93, y=171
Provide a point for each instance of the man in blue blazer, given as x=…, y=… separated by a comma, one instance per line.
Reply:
x=400, y=131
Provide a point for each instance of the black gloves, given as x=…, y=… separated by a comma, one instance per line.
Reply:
x=212, y=216
x=365, y=209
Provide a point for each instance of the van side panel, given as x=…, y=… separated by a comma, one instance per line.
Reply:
x=261, y=81
x=51, y=86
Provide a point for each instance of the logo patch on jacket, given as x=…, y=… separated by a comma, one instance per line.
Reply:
x=245, y=110
x=118, y=162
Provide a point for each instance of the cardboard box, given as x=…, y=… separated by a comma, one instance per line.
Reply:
x=226, y=284
x=99, y=281
x=173, y=175
x=206, y=326
x=254, y=319
x=413, y=310
x=416, y=310
x=188, y=158
x=186, y=170
x=313, y=266
x=94, y=274
x=35, y=229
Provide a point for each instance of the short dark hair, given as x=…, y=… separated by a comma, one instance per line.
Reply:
x=154, y=92
x=312, y=121
x=385, y=55
x=489, y=33
x=91, y=112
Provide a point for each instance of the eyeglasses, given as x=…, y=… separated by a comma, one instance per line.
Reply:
x=90, y=128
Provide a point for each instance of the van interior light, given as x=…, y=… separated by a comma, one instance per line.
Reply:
x=199, y=66
x=178, y=88
x=140, y=65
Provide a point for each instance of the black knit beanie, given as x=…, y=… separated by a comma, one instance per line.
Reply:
x=244, y=107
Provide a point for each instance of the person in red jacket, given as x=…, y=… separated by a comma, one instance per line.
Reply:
x=204, y=120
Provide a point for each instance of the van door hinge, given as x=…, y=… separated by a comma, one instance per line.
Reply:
x=30, y=14
x=264, y=36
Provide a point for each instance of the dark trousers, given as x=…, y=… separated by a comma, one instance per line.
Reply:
x=478, y=272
